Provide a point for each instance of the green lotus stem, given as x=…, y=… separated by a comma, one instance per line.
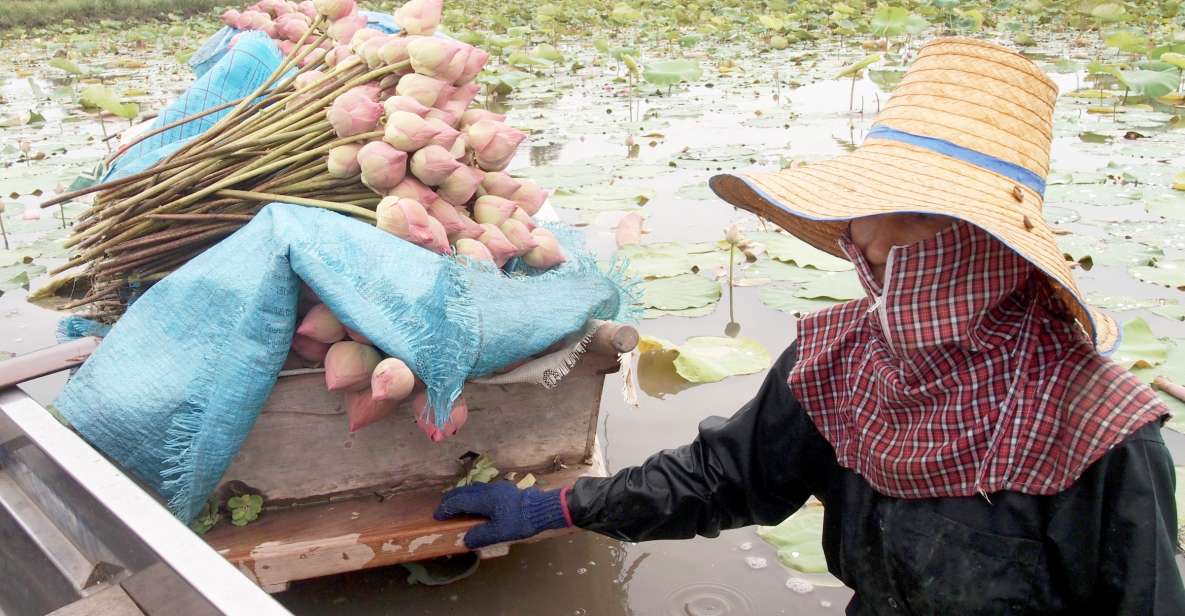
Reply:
x=3, y=231
x=328, y=205
x=731, y=251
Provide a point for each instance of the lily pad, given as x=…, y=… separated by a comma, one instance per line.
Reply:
x=1150, y=83
x=799, y=540
x=786, y=299
x=1168, y=273
x=1139, y=347
x=691, y=313
x=773, y=270
x=679, y=292
x=843, y=286
x=101, y=97
x=708, y=359
x=670, y=72
x=853, y=69
x=789, y=249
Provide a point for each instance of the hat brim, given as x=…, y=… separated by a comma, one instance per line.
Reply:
x=814, y=202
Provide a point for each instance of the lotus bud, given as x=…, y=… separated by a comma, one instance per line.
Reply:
x=31, y=212
x=409, y=132
x=447, y=216
x=499, y=184
x=395, y=50
x=419, y=16
x=320, y=325
x=473, y=64
x=519, y=235
x=431, y=55
x=356, y=337
x=445, y=136
x=348, y=366
x=458, y=102
x=530, y=197
x=362, y=37
x=354, y=112
x=308, y=9
x=254, y=20
x=404, y=103
x=424, y=89
x=459, y=186
x=342, y=161
x=493, y=210
x=439, y=243
x=500, y=247
x=411, y=188
x=382, y=166
x=460, y=147
x=308, y=349
x=473, y=249
x=314, y=57
x=362, y=409
x=494, y=143
x=629, y=230
x=469, y=228
x=456, y=67
x=292, y=26
x=337, y=54
x=232, y=18
x=473, y=116
x=271, y=7
x=392, y=380
x=458, y=415
x=444, y=116
x=404, y=218
x=522, y=216
x=343, y=30
x=308, y=79
x=370, y=50
x=548, y=253
x=286, y=47
x=432, y=164
x=334, y=10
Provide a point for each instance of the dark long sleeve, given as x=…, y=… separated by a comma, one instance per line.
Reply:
x=1118, y=530
x=754, y=468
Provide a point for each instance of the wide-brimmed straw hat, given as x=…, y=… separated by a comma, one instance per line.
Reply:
x=966, y=134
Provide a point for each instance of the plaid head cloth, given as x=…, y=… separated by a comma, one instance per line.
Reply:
x=962, y=374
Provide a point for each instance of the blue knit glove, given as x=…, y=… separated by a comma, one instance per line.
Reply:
x=514, y=514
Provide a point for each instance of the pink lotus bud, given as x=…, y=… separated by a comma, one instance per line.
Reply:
x=494, y=143
x=320, y=325
x=445, y=135
x=395, y=51
x=411, y=188
x=459, y=186
x=308, y=349
x=431, y=55
x=493, y=210
x=447, y=216
x=231, y=18
x=419, y=16
x=458, y=415
x=271, y=7
x=334, y=10
x=500, y=247
x=470, y=229
x=342, y=161
x=432, y=164
x=473, y=64
x=458, y=102
x=31, y=212
x=392, y=380
x=314, y=57
x=473, y=116
x=308, y=9
x=362, y=409
x=286, y=47
x=362, y=37
x=460, y=147
x=475, y=250
x=308, y=79
x=456, y=67
x=356, y=337
x=530, y=197
x=254, y=20
x=369, y=50
x=499, y=184
x=404, y=103
x=348, y=366
x=404, y=218
x=439, y=243
x=444, y=116
x=344, y=29
x=292, y=26
x=522, y=216
x=408, y=131
x=519, y=235
x=629, y=230
x=337, y=54
x=382, y=166
x=426, y=90
x=548, y=253
x=354, y=112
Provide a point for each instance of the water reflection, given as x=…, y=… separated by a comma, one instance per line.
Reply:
x=545, y=154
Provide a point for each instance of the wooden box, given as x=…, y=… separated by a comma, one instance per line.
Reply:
x=339, y=502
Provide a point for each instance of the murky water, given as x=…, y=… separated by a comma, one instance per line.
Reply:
x=777, y=107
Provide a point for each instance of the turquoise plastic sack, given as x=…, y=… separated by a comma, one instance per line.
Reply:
x=177, y=383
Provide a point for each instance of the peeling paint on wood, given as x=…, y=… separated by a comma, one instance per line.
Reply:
x=420, y=542
x=277, y=562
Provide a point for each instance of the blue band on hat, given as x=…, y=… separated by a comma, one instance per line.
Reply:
x=979, y=159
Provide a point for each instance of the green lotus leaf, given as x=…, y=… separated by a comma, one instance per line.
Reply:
x=799, y=540
x=789, y=249
x=679, y=292
x=1139, y=348
x=853, y=69
x=669, y=72
x=708, y=359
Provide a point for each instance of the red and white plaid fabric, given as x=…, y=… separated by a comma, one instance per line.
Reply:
x=972, y=380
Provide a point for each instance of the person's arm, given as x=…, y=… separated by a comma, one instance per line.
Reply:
x=1117, y=531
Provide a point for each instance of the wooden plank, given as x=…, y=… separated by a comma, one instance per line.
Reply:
x=309, y=541
x=111, y=601
x=300, y=448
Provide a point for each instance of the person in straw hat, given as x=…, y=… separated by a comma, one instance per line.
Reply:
x=974, y=451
